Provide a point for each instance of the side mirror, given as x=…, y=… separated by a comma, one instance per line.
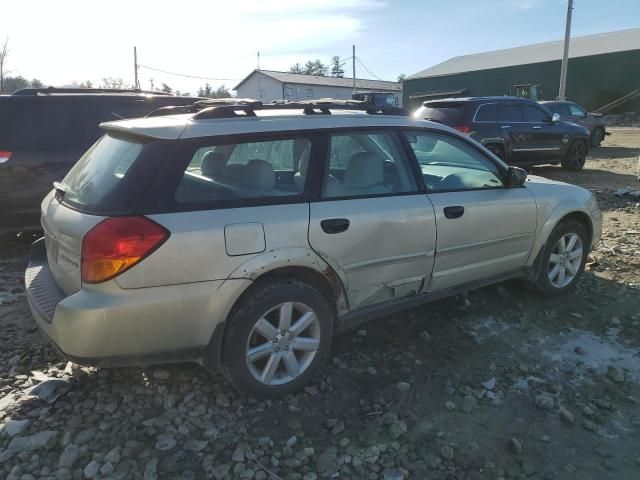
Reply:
x=517, y=176
x=555, y=118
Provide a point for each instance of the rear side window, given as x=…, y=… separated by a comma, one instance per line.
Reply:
x=112, y=174
x=449, y=113
x=487, y=113
x=228, y=173
x=510, y=113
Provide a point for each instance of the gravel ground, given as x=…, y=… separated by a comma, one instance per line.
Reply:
x=496, y=384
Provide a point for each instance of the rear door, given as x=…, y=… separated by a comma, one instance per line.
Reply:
x=372, y=223
x=484, y=228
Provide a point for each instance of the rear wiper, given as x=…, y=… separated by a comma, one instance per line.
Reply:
x=60, y=189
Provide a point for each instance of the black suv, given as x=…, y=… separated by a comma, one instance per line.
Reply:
x=43, y=132
x=519, y=131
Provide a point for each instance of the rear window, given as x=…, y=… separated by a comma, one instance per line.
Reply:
x=111, y=176
x=448, y=113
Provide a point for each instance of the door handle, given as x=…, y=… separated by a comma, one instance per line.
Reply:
x=537, y=127
x=335, y=225
x=506, y=126
x=454, y=212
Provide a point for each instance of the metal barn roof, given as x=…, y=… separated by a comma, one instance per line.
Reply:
x=619, y=41
x=361, y=84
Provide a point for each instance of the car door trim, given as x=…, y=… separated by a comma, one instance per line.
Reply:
x=537, y=149
x=369, y=312
x=387, y=260
x=492, y=241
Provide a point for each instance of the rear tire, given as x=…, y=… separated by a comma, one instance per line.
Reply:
x=277, y=338
x=597, y=136
x=563, y=258
x=576, y=155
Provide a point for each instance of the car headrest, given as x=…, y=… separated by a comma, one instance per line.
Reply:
x=212, y=164
x=303, y=168
x=364, y=170
x=259, y=174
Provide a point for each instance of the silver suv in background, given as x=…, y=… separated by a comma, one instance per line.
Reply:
x=572, y=112
x=244, y=236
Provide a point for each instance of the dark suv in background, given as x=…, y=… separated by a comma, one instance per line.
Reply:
x=519, y=131
x=572, y=112
x=43, y=132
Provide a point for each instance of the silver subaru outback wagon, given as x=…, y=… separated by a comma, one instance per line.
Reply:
x=244, y=236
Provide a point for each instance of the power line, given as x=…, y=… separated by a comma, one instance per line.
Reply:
x=369, y=71
x=186, y=75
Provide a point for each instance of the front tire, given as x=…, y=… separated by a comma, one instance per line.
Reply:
x=576, y=155
x=597, y=136
x=277, y=338
x=563, y=258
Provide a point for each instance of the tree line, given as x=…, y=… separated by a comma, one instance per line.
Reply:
x=319, y=69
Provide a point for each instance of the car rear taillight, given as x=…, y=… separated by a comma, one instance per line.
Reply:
x=4, y=156
x=463, y=128
x=118, y=243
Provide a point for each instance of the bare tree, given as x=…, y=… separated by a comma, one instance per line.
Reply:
x=114, y=82
x=4, y=53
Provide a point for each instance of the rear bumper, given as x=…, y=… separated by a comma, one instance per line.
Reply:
x=111, y=326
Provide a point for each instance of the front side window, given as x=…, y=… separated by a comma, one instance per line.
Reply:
x=534, y=115
x=365, y=164
x=576, y=111
x=448, y=163
x=245, y=170
x=510, y=113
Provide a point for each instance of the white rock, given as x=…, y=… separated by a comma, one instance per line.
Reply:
x=16, y=427
x=31, y=442
x=490, y=384
x=92, y=469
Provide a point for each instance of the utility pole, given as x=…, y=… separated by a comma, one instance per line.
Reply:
x=258, y=60
x=353, y=61
x=135, y=67
x=565, y=55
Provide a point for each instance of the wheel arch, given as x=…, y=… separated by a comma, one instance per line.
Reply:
x=555, y=219
x=297, y=263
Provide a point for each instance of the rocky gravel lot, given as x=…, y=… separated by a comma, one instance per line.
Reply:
x=496, y=384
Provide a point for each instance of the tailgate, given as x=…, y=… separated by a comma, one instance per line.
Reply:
x=64, y=230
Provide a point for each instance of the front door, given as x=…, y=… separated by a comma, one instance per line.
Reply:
x=546, y=137
x=484, y=228
x=372, y=224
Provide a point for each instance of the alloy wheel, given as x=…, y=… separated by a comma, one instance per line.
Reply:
x=565, y=260
x=282, y=343
x=579, y=153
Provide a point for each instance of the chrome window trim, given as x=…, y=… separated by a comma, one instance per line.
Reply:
x=473, y=120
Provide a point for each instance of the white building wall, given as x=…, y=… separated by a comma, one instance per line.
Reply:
x=261, y=87
x=299, y=91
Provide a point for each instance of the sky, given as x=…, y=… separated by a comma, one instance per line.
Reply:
x=71, y=40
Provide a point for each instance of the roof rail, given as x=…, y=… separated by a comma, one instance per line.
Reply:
x=229, y=108
x=73, y=90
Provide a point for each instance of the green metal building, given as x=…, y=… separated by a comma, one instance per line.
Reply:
x=602, y=69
